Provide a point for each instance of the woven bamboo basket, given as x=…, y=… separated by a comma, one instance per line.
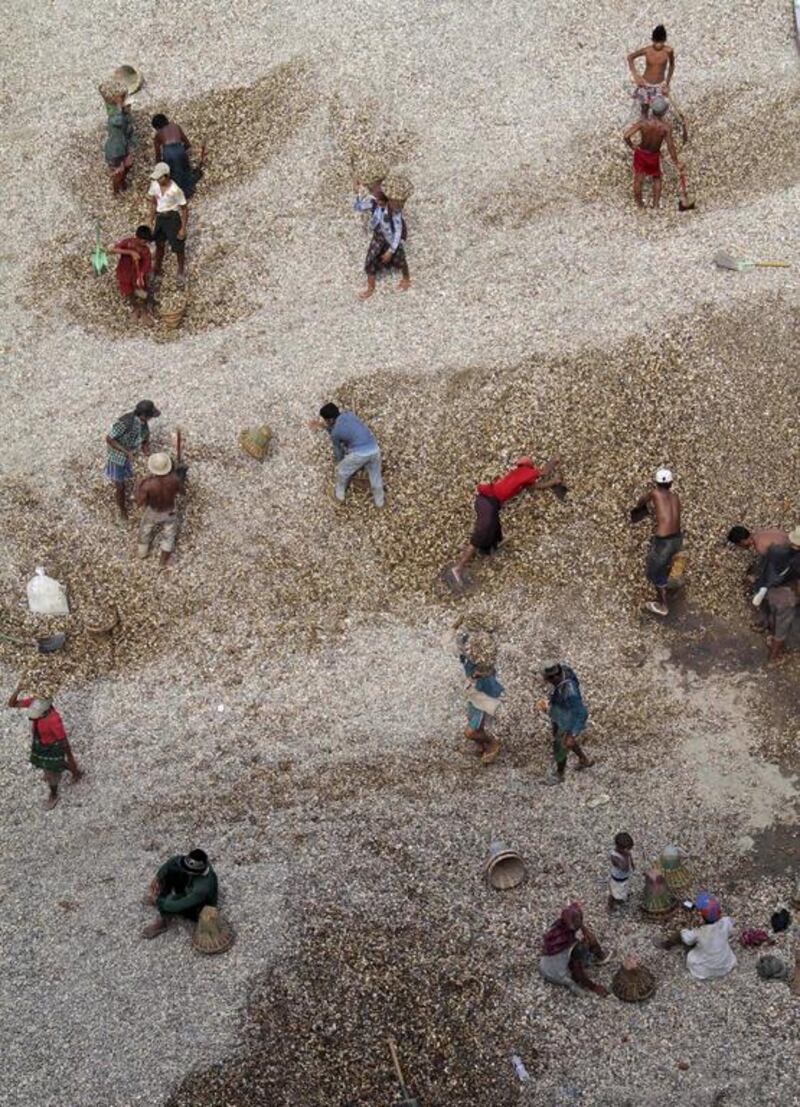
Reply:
x=633, y=982
x=101, y=622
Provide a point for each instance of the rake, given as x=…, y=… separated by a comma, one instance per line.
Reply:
x=743, y=265
x=407, y=1100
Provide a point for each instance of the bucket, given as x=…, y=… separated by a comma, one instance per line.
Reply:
x=504, y=868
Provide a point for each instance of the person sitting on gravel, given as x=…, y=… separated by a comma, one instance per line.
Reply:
x=564, y=959
x=667, y=540
x=778, y=589
x=50, y=748
x=488, y=533
x=183, y=886
x=568, y=717
x=710, y=955
x=133, y=269
x=647, y=155
x=158, y=494
x=354, y=448
x=129, y=434
x=172, y=147
x=387, y=246
x=169, y=215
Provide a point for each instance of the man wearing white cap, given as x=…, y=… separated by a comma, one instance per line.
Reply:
x=667, y=540
x=169, y=214
x=158, y=494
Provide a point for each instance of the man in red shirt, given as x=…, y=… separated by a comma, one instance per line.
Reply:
x=50, y=748
x=488, y=534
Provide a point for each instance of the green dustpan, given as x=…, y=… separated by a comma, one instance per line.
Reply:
x=99, y=257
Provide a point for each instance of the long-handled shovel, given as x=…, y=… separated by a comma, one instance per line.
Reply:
x=407, y=1100
x=50, y=644
x=684, y=203
x=742, y=265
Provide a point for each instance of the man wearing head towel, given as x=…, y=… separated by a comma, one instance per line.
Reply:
x=568, y=716
x=667, y=540
x=564, y=959
x=710, y=955
x=183, y=886
x=653, y=132
x=50, y=748
x=129, y=434
x=158, y=494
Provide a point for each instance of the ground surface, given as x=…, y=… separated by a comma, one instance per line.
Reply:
x=289, y=697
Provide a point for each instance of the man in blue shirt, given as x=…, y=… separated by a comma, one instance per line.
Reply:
x=568, y=717
x=354, y=448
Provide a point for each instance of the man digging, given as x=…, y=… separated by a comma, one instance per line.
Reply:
x=667, y=540
x=158, y=494
x=653, y=132
x=488, y=533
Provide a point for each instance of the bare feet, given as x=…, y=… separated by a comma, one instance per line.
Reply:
x=365, y=295
x=490, y=754
x=75, y=777
x=51, y=801
x=404, y=283
x=154, y=929
x=456, y=575
x=585, y=764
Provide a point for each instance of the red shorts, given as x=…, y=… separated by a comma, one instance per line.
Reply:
x=647, y=162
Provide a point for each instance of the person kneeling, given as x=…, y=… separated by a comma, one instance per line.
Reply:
x=564, y=958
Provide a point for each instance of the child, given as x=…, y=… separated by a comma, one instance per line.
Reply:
x=483, y=699
x=658, y=70
x=622, y=868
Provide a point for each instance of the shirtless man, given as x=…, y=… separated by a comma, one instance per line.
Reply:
x=171, y=145
x=667, y=540
x=158, y=494
x=647, y=155
x=659, y=66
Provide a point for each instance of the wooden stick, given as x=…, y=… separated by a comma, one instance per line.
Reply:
x=397, y=1069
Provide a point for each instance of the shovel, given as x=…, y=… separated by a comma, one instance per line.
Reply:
x=50, y=644
x=407, y=1100
x=684, y=203
x=99, y=257
x=742, y=265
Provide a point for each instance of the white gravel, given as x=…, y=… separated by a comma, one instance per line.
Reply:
x=342, y=705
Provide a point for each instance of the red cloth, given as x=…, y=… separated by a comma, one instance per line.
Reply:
x=50, y=726
x=130, y=275
x=563, y=933
x=512, y=483
x=647, y=162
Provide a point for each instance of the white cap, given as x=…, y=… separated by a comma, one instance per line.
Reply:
x=159, y=171
x=159, y=464
x=664, y=476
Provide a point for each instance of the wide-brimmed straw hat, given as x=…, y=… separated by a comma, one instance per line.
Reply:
x=159, y=464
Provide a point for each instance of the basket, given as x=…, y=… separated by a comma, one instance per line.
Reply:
x=172, y=317
x=213, y=933
x=256, y=442
x=632, y=982
x=102, y=622
x=504, y=868
x=130, y=77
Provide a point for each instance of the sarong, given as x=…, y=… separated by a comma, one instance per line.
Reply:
x=176, y=156
x=52, y=758
x=118, y=474
x=151, y=521
x=647, y=162
x=781, y=604
x=377, y=247
x=488, y=534
x=659, y=558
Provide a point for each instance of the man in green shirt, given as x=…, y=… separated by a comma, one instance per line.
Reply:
x=183, y=886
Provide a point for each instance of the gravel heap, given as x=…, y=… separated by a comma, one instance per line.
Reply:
x=289, y=696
